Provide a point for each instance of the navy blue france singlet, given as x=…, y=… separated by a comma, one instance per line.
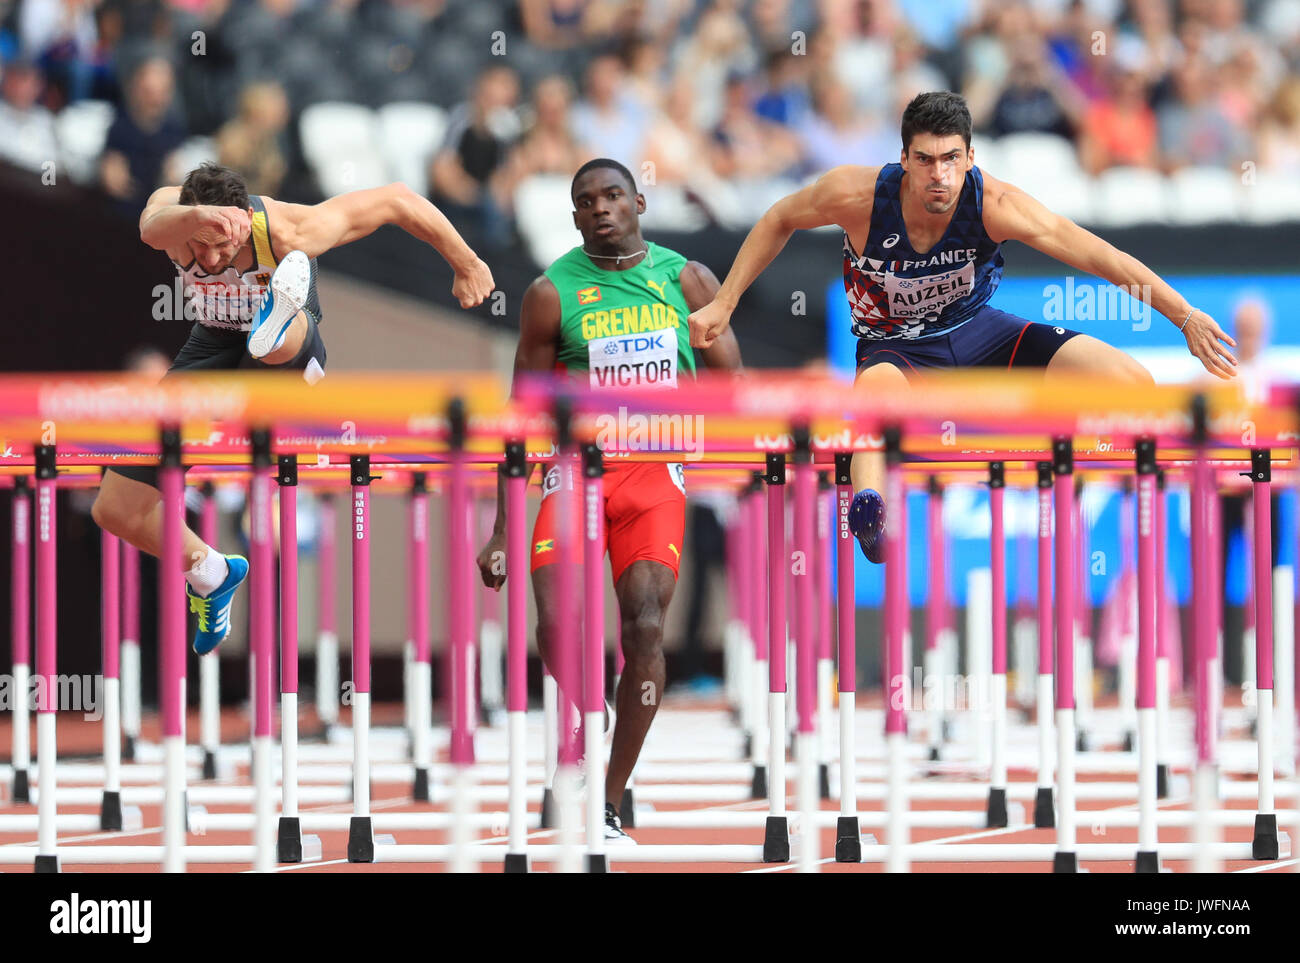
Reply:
x=895, y=293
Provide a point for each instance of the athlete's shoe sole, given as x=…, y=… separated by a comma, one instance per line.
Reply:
x=867, y=523
x=284, y=298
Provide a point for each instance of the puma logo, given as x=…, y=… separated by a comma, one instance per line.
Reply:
x=658, y=286
x=674, y=548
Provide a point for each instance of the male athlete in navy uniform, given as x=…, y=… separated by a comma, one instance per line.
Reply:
x=612, y=313
x=922, y=257
x=248, y=269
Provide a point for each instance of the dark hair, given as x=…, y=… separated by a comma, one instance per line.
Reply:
x=213, y=184
x=940, y=112
x=598, y=162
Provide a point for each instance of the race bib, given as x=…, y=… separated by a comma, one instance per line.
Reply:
x=634, y=360
x=925, y=298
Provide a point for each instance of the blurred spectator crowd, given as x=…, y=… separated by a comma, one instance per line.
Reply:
x=1112, y=111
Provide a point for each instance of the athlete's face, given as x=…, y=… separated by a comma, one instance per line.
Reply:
x=213, y=251
x=936, y=168
x=605, y=210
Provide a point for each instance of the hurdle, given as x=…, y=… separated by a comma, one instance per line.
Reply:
x=462, y=852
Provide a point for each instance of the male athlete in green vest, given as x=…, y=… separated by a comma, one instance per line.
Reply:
x=616, y=308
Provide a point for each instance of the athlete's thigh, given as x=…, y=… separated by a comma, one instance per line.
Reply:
x=644, y=591
x=1084, y=354
x=130, y=490
x=880, y=376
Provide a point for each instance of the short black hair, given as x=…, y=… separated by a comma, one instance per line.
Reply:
x=598, y=162
x=939, y=112
x=215, y=185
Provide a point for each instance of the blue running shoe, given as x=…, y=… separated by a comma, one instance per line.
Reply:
x=214, y=610
x=867, y=522
x=284, y=298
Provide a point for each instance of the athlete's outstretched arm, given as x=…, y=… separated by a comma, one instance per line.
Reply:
x=1011, y=214
x=700, y=286
x=349, y=217
x=539, y=336
x=831, y=199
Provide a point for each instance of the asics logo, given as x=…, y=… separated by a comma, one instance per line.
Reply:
x=889, y=241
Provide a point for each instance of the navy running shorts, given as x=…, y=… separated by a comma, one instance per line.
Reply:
x=991, y=339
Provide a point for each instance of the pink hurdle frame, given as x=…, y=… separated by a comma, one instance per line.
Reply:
x=848, y=840
x=1044, y=806
x=516, y=474
x=593, y=651
x=20, y=633
x=1147, y=858
x=110, y=814
x=1066, y=859
x=171, y=648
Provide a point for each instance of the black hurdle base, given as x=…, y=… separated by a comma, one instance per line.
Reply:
x=47, y=864
x=627, y=809
x=935, y=754
x=1044, y=809
x=848, y=840
x=749, y=746
x=548, y=808
x=1129, y=742
x=420, y=791
x=209, y=764
x=128, y=749
x=758, y=785
x=110, y=812
x=596, y=863
x=997, y=808
x=361, y=840
x=1147, y=862
x=22, y=789
x=776, y=840
x=288, y=842
x=1265, y=845
x=1162, y=780
x=824, y=780
x=1081, y=741
x=516, y=863
x=1065, y=863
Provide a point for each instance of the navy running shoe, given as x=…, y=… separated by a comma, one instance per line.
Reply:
x=867, y=522
x=214, y=610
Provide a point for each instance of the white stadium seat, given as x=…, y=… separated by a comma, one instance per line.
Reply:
x=1130, y=195
x=1272, y=198
x=988, y=155
x=192, y=153
x=1199, y=195
x=1046, y=167
x=81, y=129
x=544, y=216
x=341, y=143
x=409, y=133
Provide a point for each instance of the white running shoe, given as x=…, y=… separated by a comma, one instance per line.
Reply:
x=614, y=834
x=284, y=298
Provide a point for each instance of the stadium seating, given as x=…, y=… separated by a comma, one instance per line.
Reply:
x=409, y=134
x=81, y=129
x=341, y=143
